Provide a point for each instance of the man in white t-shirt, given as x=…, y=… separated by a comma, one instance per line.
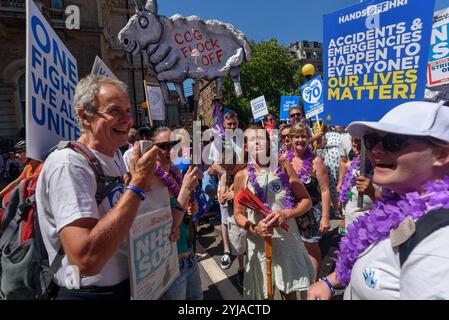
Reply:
x=93, y=236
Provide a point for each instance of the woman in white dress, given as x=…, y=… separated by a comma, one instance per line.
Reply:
x=286, y=196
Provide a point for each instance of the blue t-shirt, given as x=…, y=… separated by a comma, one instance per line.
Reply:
x=209, y=184
x=182, y=164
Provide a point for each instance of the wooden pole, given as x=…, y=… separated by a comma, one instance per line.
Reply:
x=317, y=127
x=268, y=254
x=150, y=118
x=362, y=172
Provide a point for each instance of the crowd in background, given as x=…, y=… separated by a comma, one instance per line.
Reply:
x=318, y=178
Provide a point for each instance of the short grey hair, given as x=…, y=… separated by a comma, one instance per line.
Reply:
x=86, y=91
x=230, y=115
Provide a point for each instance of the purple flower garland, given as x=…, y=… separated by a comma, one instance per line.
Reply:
x=386, y=214
x=288, y=200
x=165, y=177
x=349, y=181
x=307, y=164
x=175, y=175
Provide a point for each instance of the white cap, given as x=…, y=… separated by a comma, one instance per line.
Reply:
x=417, y=118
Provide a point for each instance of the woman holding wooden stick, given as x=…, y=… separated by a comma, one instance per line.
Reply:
x=286, y=197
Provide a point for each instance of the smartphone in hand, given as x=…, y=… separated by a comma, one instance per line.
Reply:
x=145, y=145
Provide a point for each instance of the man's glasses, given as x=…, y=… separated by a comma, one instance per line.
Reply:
x=166, y=146
x=293, y=115
x=270, y=120
x=284, y=136
x=390, y=142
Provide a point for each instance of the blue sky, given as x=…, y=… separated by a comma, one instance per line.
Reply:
x=285, y=20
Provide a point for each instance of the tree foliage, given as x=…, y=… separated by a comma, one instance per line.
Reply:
x=271, y=72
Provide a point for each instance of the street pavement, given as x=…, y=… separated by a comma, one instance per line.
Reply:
x=221, y=284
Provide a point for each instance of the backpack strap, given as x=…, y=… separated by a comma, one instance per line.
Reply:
x=105, y=184
x=425, y=226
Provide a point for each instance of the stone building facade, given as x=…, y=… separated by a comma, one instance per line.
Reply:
x=100, y=22
x=308, y=52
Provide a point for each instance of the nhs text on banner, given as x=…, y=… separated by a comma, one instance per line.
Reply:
x=259, y=108
x=312, y=96
x=438, y=69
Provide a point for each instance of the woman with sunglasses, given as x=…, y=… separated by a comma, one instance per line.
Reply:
x=313, y=174
x=285, y=195
x=399, y=249
x=285, y=143
x=188, y=284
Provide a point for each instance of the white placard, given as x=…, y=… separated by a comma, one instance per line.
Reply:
x=101, y=69
x=259, y=108
x=51, y=78
x=155, y=102
x=153, y=258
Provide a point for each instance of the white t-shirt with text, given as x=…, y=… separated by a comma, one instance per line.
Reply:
x=65, y=193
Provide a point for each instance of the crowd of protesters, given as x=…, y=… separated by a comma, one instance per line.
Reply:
x=318, y=177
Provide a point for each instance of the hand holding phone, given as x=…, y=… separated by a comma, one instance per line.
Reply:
x=145, y=145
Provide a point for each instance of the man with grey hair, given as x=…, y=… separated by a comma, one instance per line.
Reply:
x=93, y=231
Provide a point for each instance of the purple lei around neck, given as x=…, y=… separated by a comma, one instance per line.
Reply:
x=349, y=181
x=386, y=214
x=288, y=201
x=175, y=176
x=290, y=154
x=307, y=164
x=167, y=180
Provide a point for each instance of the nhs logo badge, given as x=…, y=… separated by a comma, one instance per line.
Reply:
x=115, y=194
x=371, y=277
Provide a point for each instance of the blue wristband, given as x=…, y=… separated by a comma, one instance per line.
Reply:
x=138, y=191
x=329, y=284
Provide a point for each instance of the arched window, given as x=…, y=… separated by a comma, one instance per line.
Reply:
x=22, y=98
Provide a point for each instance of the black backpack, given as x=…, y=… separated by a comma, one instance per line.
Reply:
x=25, y=271
x=425, y=226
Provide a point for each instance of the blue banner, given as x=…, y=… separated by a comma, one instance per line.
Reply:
x=312, y=97
x=287, y=102
x=375, y=57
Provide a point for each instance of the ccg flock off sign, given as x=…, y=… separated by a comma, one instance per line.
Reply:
x=259, y=108
x=101, y=69
x=51, y=73
x=438, y=70
x=312, y=95
x=153, y=258
x=185, y=47
x=375, y=58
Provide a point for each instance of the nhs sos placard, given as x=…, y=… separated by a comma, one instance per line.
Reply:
x=312, y=95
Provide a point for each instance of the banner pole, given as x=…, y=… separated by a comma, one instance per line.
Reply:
x=150, y=119
x=362, y=172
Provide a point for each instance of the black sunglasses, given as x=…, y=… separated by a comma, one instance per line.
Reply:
x=390, y=142
x=167, y=146
x=295, y=115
